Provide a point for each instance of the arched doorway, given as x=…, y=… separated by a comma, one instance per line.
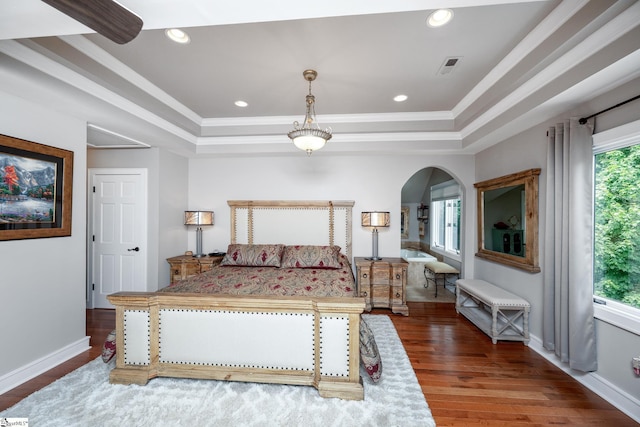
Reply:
x=431, y=225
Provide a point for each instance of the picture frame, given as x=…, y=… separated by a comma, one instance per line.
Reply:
x=36, y=183
x=423, y=212
x=404, y=222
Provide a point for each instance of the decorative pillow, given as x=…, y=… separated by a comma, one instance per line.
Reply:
x=253, y=255
x=311, y=257
x=369, y=355
x=109, y=347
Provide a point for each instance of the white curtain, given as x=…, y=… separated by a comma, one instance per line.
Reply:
x=568, y=323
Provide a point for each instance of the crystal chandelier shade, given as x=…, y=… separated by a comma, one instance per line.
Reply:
x=309, y=137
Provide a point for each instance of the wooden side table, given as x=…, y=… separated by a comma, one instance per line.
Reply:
x=383, y=283
x=184, y=266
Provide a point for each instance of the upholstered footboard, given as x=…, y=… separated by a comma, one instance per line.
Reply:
x=283, y=340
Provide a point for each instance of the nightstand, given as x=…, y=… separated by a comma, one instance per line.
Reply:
x=383, y=283
x=184, y=266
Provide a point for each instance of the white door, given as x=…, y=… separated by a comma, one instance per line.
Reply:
x=119, y=235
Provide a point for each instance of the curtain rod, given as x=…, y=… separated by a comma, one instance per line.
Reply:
x=583, y=120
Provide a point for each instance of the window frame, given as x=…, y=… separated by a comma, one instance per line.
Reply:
x=617, y=314
x=448, y=191
x=607, y=310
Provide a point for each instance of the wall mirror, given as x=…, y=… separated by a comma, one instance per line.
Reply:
x=508, y=220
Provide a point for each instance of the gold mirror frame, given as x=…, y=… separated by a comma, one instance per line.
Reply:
x=528, y=178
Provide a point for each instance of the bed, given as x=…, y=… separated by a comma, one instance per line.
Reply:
x=260, y=323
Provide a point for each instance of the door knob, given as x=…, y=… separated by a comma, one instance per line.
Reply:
x=134, y=249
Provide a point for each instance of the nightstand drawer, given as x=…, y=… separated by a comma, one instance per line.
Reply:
x=380, y=296
x=398, y=276
x=364, y=277
x=190, y=268
x=380, y=275
x=364, y=292
x=397, y=294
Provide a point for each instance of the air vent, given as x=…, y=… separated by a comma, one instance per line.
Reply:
x=449, y=65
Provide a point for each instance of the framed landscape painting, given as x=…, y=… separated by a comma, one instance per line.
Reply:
x=35, y=190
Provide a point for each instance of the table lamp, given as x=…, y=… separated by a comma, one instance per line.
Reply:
x=198, y=218
x=375, y=220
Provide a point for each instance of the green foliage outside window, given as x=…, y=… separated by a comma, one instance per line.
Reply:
x=617, y=225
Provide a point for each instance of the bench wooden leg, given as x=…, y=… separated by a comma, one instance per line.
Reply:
x=494, y=324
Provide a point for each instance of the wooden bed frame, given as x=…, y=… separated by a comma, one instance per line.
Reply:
x=282, y=340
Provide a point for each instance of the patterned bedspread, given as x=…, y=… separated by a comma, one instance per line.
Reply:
x=237, y=280
x=315, y=282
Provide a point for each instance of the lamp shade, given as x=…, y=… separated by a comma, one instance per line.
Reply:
x=198, y=217
x=308, y=141
x=376, y=219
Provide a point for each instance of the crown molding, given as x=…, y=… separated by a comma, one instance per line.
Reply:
x=399, y=137
x=594, y=86
x=594, y=43
x=130, y=142
x=349, y=137
x=214, y=122
x=537, y=36
x=26, y=52
x=102, y=57
x=34, y=59
x=28, y=55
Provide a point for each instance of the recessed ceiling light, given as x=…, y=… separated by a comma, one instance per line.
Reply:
x=177, y=35
x=400, y=98
x=241, y=104
x=439, y=17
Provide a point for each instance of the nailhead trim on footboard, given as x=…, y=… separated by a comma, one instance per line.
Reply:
x=237, y=339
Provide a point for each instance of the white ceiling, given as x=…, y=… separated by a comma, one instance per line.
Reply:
x=521, y=63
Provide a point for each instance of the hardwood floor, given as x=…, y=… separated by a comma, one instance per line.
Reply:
x=466, y=380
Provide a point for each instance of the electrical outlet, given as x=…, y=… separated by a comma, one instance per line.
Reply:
x=635, y=362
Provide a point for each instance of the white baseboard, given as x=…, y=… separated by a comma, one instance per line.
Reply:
x=594, y=382
x=39, y=366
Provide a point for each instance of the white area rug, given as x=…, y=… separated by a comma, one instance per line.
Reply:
x=85, y=398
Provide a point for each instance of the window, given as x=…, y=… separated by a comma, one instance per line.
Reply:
x=445, y=217
x=616, y=220
x=616, y=254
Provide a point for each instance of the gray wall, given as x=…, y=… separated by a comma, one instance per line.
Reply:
x=42, y=289
x=172, y=233
x=525, y=151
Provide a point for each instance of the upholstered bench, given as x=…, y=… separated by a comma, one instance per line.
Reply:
x=497, y=312
x=435, y=269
